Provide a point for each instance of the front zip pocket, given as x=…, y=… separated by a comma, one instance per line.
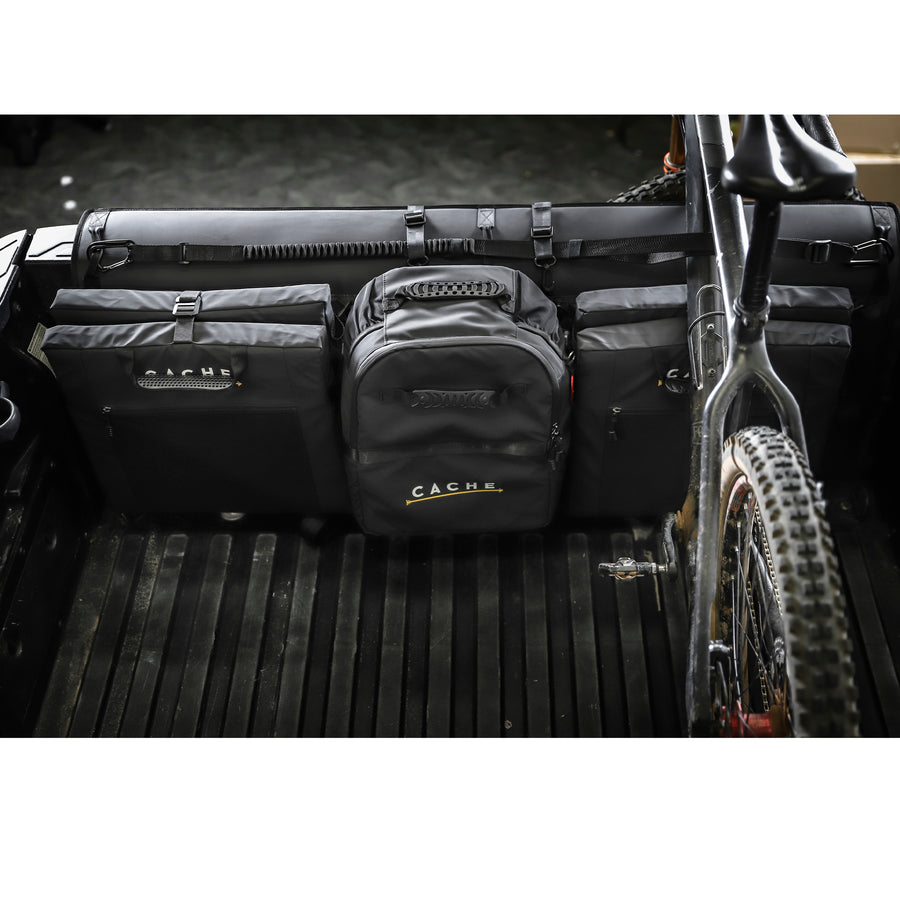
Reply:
x=444, y=438
x=550, y=364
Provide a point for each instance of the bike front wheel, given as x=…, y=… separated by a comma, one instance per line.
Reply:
x=780, y=657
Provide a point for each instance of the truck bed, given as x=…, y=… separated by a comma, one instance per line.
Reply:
x=265, y=633
x=245, y=632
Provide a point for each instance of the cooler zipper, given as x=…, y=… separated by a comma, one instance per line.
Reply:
x=614, y=413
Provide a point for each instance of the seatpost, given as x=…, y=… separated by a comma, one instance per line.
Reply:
x=751, y=306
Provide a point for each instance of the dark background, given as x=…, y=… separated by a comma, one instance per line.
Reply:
x=54, y=167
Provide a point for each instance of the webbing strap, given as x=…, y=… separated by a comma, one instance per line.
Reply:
x=868, y=253
x=641, y=249
x=415, y=235
x=648, y=249
x=542, y=234
x=185, y=253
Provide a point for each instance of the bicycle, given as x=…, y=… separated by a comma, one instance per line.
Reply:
x=769, y=648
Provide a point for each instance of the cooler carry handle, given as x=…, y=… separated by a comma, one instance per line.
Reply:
x=484, y=289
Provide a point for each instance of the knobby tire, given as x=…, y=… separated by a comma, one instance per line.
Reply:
x=781, y=655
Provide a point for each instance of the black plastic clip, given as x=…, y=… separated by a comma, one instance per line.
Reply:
x=185, y=310
x=542, y=236
x=818, y=251
x=414, y=218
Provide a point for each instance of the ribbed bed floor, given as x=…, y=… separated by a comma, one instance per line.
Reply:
x=237, y=632
x=232, y=633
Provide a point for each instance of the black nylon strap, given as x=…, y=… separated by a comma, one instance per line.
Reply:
x=648, y=249
x=642, y=249
x=542, y=233
x=415, y=235
x=187, y=253
x=187, y=305
x=868, y=253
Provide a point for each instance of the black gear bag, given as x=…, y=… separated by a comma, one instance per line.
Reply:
x=455, y=402
x=203, y=402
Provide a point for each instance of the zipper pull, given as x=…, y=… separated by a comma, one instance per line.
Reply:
x=553, y=445
x=612, y=434
x=107, y=420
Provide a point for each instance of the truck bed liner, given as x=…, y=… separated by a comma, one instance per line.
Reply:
x=236, y=631
x=227, y=633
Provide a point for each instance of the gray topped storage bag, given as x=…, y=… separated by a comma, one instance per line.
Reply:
x=455, y=402
x=203, y=402
x=631, y=435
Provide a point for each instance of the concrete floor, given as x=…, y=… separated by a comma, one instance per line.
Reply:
x=272, y=161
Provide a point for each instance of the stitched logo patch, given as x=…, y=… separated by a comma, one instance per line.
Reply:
x=451, y=399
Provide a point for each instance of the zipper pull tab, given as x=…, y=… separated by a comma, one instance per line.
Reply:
x=612, y=434
x=554, y=445
x=106, y=412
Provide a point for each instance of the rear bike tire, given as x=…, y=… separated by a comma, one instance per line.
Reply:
x=668, y=186
x=780, y=657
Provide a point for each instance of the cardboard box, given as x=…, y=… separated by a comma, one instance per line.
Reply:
x=878, y=175
x=867, y=134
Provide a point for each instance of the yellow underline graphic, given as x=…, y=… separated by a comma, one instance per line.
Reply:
x=456, y=494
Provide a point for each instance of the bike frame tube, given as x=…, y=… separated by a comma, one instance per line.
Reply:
x=746, y=365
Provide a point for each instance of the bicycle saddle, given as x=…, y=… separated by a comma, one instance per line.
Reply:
x=776, y=160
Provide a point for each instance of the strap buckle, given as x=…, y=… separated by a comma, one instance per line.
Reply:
x=539, y=232
x=98, y=248
x=818, y=251
x=414, y=218
x=185, y=310
x=186, y=305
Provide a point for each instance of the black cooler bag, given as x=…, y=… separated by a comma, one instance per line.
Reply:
x=455, y=402
x=203, y=402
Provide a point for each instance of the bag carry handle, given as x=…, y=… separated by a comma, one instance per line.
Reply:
x=441, y=290
x=454, y=290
